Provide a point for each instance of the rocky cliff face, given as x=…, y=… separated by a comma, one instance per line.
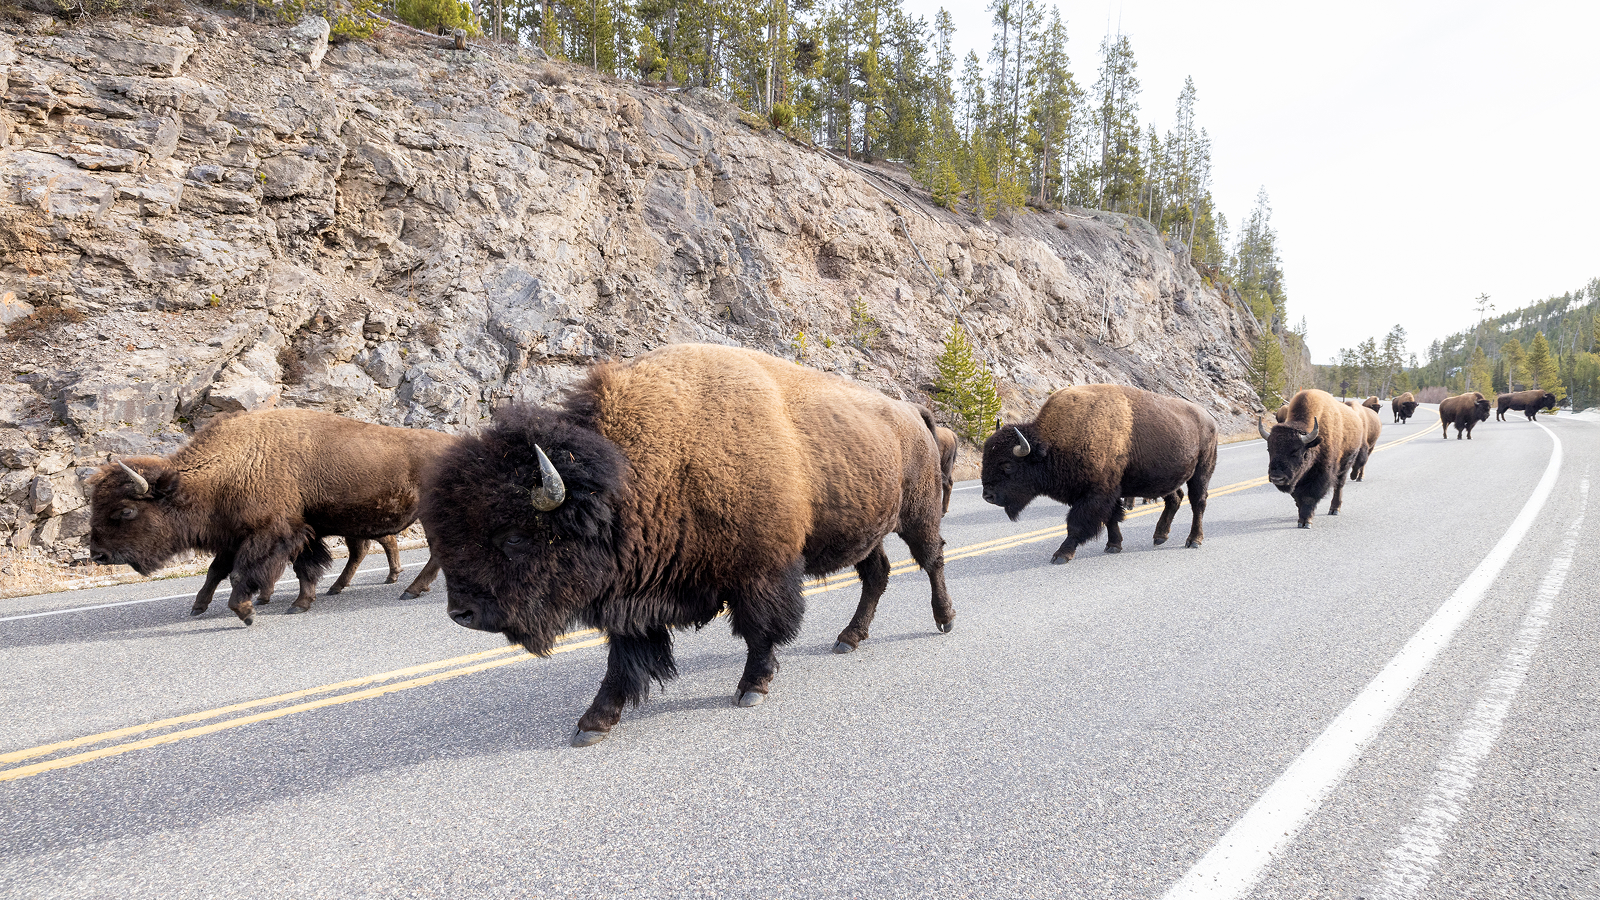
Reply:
x=220, y=216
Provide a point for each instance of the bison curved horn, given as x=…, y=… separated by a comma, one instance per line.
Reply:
x=1021, y=449
x=1263, y=429
x=552, y=491
x=1308, y=439
x=138, y=480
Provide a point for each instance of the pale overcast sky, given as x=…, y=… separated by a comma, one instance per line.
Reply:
x=1416, y=154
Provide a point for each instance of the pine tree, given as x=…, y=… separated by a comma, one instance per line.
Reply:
x=1517, y=375
x=1543, y=368
x=964, y=389
x=1479, y=377
x=1266, y=371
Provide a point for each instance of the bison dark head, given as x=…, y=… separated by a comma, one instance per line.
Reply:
x=1483, y=410
x=1548, y=401
x=1290, y=453
x=1408, y=409
x=519, y=559
x=1014, y=468
x=136, y=514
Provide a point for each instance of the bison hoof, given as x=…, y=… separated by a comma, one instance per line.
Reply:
x=1333, y=512
x=197, y=610
x=295, y=608
x=946, y=627
x=842, y=647
x=334, y=591
x=1060, y=559
x=751, y=698
x=1162, y=539
x=408, y=596
x=581, y=738
x=1305, y=524
x=392, y=578
x=1113, y=548
x=1192, y=545
x=263, y=601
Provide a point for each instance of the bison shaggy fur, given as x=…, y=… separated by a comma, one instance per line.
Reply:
x=258, y=490
x=1526, y=402
x=1093, y=445
x=1313, y=452
x=1403, y=407
x=1463, y=411
x=694, y=480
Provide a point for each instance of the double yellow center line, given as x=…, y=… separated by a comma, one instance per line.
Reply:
x=370, y=686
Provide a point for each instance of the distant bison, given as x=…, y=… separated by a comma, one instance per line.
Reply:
x=1374, y=404
x=948, y=447
x=1374, y=427
x=1093, y=445
x=1313, y=451
x=1463, y=411
x=691, y=481
x=1527, y=402
x=258, y=490
x=1281, y=413
x=1403, y=407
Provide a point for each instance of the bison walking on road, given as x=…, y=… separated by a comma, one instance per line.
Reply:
x=1463, y=411
x=1373, y=427
x=1527, y=402
x=1093, y=445
x=1373, y=403
x=1403, y=407
x=1314, y=450
x=259, y=490
x=691, y=481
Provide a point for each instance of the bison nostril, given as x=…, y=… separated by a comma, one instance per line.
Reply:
x=101, y=557
x=462, y=617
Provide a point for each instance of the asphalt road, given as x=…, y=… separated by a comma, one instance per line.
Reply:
x=1399, y=702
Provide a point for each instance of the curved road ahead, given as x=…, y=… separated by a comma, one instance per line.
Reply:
x=1399, y=702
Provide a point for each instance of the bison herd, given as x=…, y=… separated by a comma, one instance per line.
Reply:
x=692, y=482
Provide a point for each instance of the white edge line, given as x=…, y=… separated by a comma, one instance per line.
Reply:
x=76, y=609
x=1233, y=867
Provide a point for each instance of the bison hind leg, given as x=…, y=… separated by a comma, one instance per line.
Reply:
x=874, y=574
x=309, y=565
x=358, y=552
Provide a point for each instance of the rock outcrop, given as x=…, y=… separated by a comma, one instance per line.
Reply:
x=221, y=216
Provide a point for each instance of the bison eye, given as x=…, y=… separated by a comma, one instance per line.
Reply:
x=127, y=512
x=514, y=542
x=1007, y=468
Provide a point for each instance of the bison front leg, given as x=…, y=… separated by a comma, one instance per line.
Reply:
x=309, y=565
x=1084, y=521
x=358, y=552
x=1114, y=528
x=1169, y=511
x=767, y=616
x=221, y=565
x=874, y=573
x=634, y=661
x=424, y=579
x=927, y=548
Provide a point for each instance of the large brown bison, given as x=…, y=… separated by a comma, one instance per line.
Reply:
x=259, y=490
x=1092, y=445
x=1463, y=411
x=1374, y=427
x=691, y=481
x=1314, y=450
x=1403, y=407
x=1527, y=402
x=1373, y=403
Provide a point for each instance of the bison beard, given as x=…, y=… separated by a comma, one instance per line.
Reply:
x=1093, y=445
x=1313, y=451
x=697, y=480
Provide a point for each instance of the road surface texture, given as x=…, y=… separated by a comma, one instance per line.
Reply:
x=1398, y=702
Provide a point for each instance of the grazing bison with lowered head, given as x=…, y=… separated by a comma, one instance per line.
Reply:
x=1463, y=411
x=1091, y=446
x=948, y=447
x=1313, y=451
x=1374, y=427
x=1526, y=402
x=1403, y=407
x=693, y=480
x=259, y=490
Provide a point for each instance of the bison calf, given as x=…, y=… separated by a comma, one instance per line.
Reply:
x=1312, y=452
x=1463, y=411
x=1093, y=445
x=662, y=492
x=258, y=490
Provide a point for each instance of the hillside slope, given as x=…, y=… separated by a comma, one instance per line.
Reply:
x=221, y=216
